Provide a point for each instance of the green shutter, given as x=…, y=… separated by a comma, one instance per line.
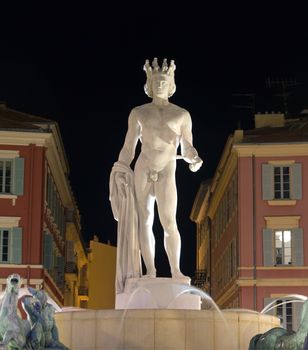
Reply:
x=61, y=264
x=48, y=190
x=18, y=176
x=268, y=249
x=54, y=201
x=51, y=193
x=63, y=225
x=297, y=309
x=267, y=182
x=297, y=247
x=16, y=246
x=60, y=274
x=54, y=256
x=48, y=251
x=296, y=181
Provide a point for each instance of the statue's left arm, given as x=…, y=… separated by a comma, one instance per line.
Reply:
x=188, y=151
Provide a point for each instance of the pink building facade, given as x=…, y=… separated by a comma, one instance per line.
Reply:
x=39, y=219
x=256, y=208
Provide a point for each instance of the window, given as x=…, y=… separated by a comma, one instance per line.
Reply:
x=55, y=204
x=281, y=182
x=283, y=247
x=284, y=313
x=4, y=245
x=5, y=176
x=283, y=255
x=11, y=176
x=11, y=245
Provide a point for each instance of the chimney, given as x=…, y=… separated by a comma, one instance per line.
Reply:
x=273, y=120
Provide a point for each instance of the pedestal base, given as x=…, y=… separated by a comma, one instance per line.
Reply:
x=158, y=293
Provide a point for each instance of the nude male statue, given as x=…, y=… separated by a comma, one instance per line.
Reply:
x=161, y=127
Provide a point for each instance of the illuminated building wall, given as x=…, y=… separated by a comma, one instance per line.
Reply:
x=35, y=202
x=255, y=207
x=102, y=267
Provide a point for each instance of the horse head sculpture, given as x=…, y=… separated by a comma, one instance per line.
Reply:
x=13, y=283
x=13, y=330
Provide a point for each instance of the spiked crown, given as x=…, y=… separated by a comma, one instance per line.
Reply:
x=155, y=69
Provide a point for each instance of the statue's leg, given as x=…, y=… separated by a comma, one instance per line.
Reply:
x=166, y=197
x=145, y=205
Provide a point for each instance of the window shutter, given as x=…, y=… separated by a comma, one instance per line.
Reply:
x=70, y=256
x=268, y=249
x=296, y=313
x=267, y=301
x=60, y=264
x=296, y=181
x=54, y=265
x=297, y=247
x=83, y=275
x=48, y=251
x=19, y=176
x=47, y=190
x=267, y=182
x=16, y=244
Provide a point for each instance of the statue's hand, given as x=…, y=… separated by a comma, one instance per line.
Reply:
x=195, y=164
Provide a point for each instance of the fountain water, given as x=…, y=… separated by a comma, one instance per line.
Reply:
x=290, y=298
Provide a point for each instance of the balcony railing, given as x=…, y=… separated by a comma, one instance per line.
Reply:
x=201, y=280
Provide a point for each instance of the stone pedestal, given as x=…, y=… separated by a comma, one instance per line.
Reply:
x=158, y=293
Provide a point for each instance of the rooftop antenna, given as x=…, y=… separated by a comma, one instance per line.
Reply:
x=250, y=105
x=283, y=85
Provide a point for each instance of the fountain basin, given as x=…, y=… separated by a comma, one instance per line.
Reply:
x=161, y=329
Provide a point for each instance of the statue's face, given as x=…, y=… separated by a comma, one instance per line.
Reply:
x=160, y=85
x=13, y=283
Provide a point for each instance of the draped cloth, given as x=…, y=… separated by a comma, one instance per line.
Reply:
x=124, y=208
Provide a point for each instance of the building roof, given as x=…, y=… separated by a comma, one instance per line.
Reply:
x=295, y=130
x=11, y=119
x=199, y=199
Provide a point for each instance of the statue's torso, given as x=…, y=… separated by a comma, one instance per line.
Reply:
x=160, y=132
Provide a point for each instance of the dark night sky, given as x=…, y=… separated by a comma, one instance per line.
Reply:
x=81, y=65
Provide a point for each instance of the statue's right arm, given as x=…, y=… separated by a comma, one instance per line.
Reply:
x=127, y=153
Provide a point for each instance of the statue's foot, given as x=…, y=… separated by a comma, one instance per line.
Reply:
x=178, y=274
x=150, y=274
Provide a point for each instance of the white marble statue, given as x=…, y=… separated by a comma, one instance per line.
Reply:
x=161, y=127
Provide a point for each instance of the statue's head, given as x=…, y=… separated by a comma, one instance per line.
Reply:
x=13, y=283
x=160, y=76
x=41, y=295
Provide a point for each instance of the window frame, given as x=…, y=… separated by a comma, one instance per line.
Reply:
x=286, y=318
x=3, y=184
x=294, y=182
x=283, y=223
x=284, y=194
x=9, y=245
x=283, y=247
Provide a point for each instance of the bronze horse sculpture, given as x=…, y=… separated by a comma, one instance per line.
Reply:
x=280, y=338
